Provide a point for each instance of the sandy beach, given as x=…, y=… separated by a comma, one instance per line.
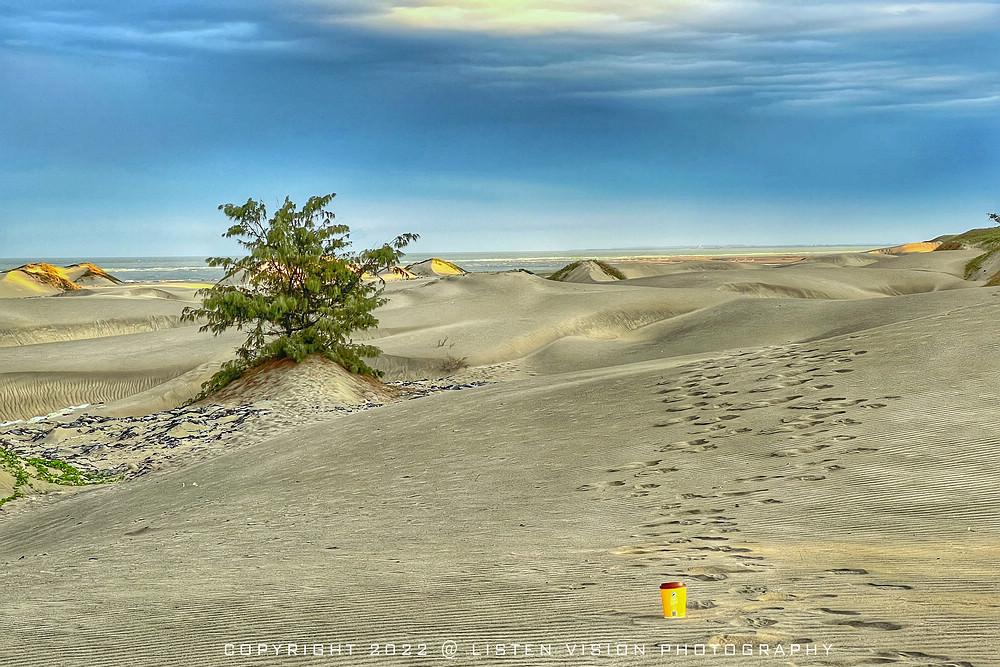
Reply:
x=809, y=444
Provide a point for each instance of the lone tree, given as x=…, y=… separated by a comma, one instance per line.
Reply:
x=298, y=291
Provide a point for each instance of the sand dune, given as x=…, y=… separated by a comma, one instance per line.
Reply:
x=435, y=267
x=923, y=246
x=312, y=381
x=818, y=470
x=44, y=279
x=105, y=346
x=587, y=271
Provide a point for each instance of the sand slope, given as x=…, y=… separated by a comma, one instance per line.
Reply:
x=102, y=345
x=820, y=472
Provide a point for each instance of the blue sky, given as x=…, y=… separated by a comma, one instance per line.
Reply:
x=497, y=125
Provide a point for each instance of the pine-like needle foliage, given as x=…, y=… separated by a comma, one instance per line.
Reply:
x=298, y=291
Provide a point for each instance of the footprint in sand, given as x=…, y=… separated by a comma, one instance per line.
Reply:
x=750, y=591
x=876, y=625
x=677, y=420
x=699, y=604
x=659, y=524
x=688, y=446
x=795, y=451
x=759, y=478
x=924, y=658
x=847, y=570
x=639, y=465
x=720, y=433
x=725, y=548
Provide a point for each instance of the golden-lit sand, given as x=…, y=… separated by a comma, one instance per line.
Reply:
x=810, y=446
x=922, y=246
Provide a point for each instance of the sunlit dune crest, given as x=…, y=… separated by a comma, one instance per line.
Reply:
x=924, y=246
x=41, y=278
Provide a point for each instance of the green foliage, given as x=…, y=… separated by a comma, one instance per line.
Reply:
x=46, y=470
x=10, y=462
x=298, y=291
x=987, y=238
x=562, y=273
x=976, y=264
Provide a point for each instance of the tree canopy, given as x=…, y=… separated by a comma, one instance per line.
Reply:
x=299, y=290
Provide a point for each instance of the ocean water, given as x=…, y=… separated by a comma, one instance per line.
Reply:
x=194, y=269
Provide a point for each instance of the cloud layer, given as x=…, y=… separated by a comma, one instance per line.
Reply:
x=445, y=106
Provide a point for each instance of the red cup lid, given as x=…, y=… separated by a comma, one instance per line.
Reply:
x=674, y=584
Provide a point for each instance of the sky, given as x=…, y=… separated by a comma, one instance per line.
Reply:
x=497, y=125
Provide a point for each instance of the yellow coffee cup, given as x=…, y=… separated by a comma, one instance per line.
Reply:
x=674, y=597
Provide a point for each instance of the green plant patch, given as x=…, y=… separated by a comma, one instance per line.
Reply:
x=45, y=470
x=987, y=238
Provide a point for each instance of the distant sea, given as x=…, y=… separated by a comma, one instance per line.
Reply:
x=194, y=269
